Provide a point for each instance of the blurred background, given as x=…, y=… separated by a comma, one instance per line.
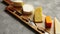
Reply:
x=10, y=25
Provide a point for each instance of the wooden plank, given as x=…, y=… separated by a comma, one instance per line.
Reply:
x=20, y=17
x=39, y=25
x=35, y=28
x=8, y=2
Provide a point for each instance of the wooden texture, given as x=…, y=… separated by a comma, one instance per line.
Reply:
x=8, y=2
x=15, y=10
x=20, y=17
x=25, y=20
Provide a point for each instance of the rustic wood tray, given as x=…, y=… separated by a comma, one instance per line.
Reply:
x=21, y=17
x=16, y=12
x=8, y=2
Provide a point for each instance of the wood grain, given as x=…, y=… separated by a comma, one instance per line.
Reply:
x=39, y=25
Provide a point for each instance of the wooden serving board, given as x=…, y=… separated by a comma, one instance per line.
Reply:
x=8, y=2
x=25, y=20
x=20, y=17
x=16, y=12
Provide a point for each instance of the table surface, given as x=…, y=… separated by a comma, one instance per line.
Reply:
x=9, y=25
